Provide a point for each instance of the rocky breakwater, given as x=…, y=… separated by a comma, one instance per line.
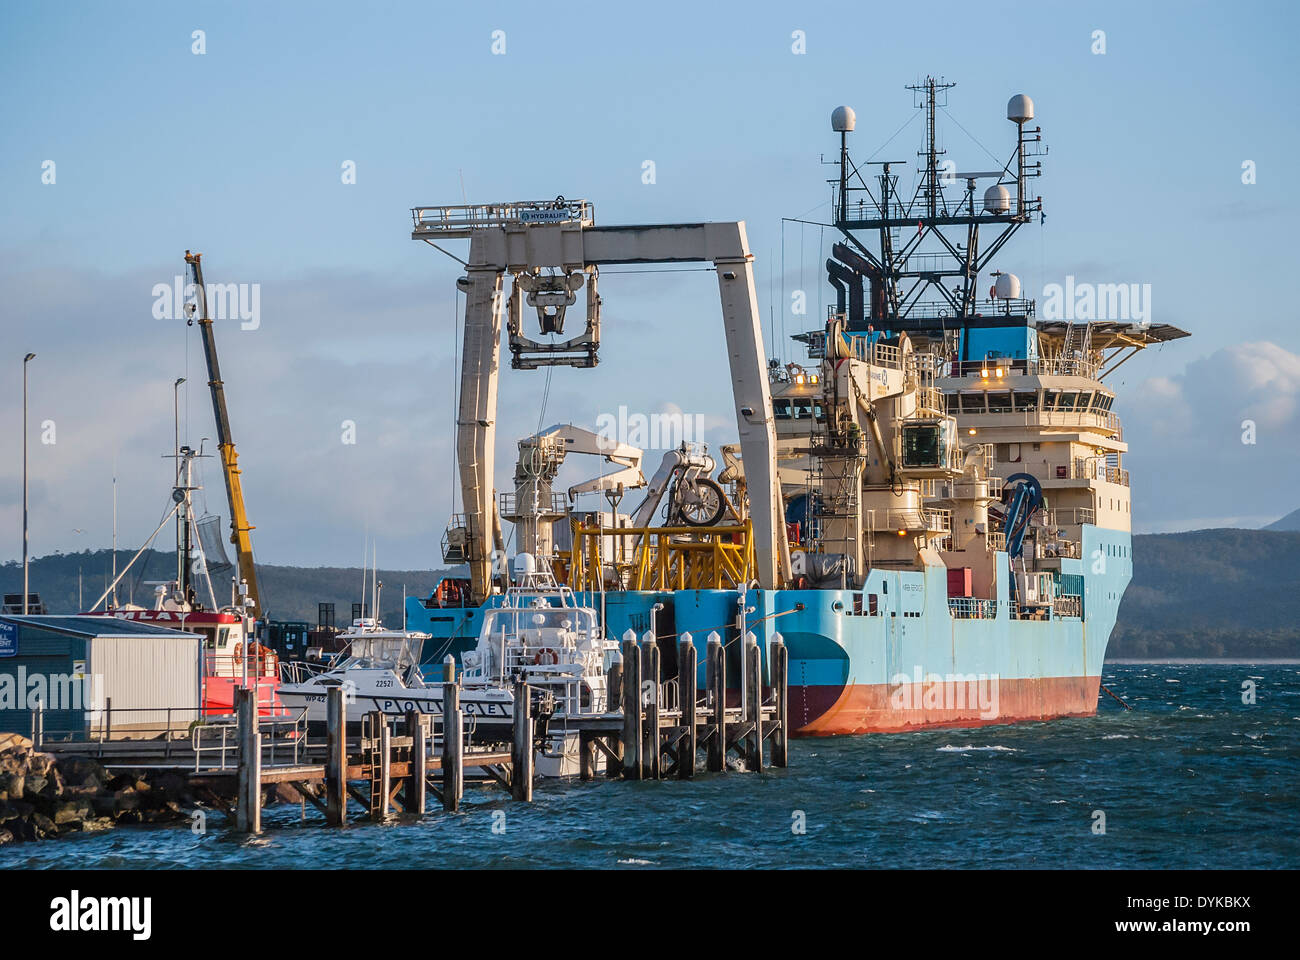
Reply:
x=42, y=796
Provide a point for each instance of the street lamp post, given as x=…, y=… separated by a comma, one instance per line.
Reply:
x=26, y=360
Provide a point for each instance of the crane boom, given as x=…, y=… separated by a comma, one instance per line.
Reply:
x=240, y=528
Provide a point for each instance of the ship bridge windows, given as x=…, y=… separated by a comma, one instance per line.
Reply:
x=806, y=408
x=798, y=408
x=1102, y=401
x=1068, y=400
x=972, y=403
x=1050, y=399
x=1085, y=401
x=1000, y=402
x=1026, y=400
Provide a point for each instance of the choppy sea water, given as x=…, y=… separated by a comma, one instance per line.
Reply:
x=1191, y=777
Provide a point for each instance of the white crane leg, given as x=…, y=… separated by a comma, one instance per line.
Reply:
x=476, y=424
x=754, y=414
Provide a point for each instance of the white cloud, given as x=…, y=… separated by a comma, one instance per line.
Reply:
x=1188, y=462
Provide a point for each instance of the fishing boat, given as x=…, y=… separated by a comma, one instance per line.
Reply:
x=232, y=655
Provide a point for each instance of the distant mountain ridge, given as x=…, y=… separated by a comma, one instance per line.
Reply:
x=1203, y=593
x=1291, y=522
x=290, y=593
x=1212, y=593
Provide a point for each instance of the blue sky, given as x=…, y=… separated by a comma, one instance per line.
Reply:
x=238, y=152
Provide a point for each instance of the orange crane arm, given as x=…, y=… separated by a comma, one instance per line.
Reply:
x=240, y=528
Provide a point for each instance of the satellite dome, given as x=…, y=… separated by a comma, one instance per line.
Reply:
x=525, y=564
x=997, y=199
x=843, y=119
x=1020, y=108
x=1007, y=286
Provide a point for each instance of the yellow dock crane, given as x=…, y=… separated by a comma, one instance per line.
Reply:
x=240, y=528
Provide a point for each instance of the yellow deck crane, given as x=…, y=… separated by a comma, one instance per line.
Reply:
x=240, y=528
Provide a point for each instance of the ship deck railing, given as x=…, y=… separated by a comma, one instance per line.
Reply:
x=995, y=416
x=1038, y=366
x=1056, y=549
x=981, y=608
x=463, y=219
x=1069, y=516
x=972, y=608
x=944, y=312
x=510, y=506
x=1091, y=468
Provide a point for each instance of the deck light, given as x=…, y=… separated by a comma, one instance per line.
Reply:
x=984, y=374
x=972, y=431
x=999, y=373
x=799, y=379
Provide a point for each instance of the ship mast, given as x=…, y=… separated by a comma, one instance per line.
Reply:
x=924, y=276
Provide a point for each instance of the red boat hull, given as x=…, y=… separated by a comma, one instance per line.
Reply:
x=219, y=696
x=823, y=711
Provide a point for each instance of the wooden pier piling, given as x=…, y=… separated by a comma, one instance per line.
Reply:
x=753, y=668
x=453, y=748
x=686, y=682
x=416, y=796
x=651, y=753
x=381, y=803
x=336, y=757
x=717, y=681
x=521, y=764
x=633, y=767
x=248, y=802
x=779, y=664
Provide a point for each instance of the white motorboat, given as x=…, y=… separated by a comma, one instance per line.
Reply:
x=539, y=634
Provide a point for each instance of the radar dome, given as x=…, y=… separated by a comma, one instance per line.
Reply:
x=1007, y=286
x=997, y=199
x=843, y=119
x=525, y=564
x=1020, y=108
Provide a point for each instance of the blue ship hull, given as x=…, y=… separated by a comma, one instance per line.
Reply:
x=910, y=664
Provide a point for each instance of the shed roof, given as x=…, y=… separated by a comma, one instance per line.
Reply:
x=95, y=626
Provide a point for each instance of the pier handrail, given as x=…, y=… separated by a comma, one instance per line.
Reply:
x=281, y=735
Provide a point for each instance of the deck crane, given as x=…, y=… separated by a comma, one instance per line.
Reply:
x=533, y=508
x=240, y=528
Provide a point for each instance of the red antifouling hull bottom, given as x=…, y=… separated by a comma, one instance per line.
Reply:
x=824, y=711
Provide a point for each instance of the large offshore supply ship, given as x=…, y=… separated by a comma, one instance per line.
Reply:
x=932, y=511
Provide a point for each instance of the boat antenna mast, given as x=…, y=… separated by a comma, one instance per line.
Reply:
x=923, y=273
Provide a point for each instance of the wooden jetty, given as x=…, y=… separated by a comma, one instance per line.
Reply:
x=655, y=729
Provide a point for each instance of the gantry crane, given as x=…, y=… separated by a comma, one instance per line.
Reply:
x=240, y=528
x=552, y=249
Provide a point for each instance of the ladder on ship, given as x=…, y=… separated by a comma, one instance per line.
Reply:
x=834, y=482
